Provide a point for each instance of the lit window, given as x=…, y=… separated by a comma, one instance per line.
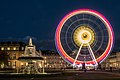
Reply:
x=22, y=48
x=2, y=48
x=14, y=48
x=26, y=64
x=45, y=57
x=9, y=63
x=8, y=48
x=21, y=63
x=45, y=61
x=45, y=65
x=40, y=65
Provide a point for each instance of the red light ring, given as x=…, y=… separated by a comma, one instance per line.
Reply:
x=99, y=15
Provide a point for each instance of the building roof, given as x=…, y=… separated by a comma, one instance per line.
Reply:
x=12, y=43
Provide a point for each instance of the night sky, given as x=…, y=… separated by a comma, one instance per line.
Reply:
x=20, y=19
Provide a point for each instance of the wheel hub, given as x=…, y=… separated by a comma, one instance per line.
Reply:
x=83, y=35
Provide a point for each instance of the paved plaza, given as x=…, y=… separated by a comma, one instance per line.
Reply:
x=66, y=75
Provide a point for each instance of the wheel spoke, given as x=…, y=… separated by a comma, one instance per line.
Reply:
x=92, y=54
x=77, y=54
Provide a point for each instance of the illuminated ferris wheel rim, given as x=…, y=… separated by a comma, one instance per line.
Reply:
x=80, y=11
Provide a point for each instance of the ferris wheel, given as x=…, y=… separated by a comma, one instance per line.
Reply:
x=84, y=36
